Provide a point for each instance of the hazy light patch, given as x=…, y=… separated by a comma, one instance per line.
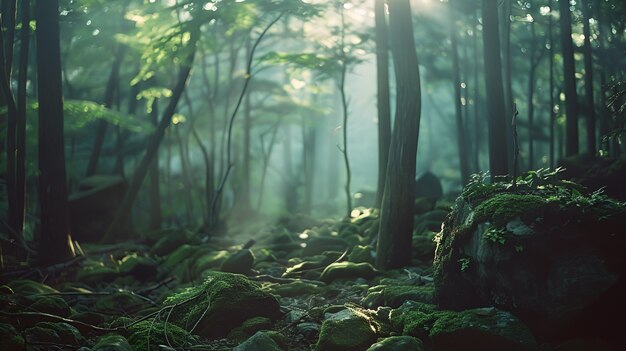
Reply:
x=303, y=245
x=297, y=84
x=544, y=10
x=303, y=235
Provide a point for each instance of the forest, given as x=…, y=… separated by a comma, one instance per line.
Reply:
x=328, y=175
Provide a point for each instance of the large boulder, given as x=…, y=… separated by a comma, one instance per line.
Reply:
x=428, y=185
x=347, y=330
x=546, y=251
x=224, y=301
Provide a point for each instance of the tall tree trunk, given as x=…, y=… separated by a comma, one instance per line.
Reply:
x=344, y=112
x=20, y=156
x=155, y=218
x=569, y=71
x=244, y=190
x=382, y=85
x=509, y=100
x=591, y=109
x=185, y=175
x=498, y=156
x=604, y=114
x=396, y=217
x=531, y=96
x=115, y=230
x=55, y=242
x=458, y=107
x=551, y=83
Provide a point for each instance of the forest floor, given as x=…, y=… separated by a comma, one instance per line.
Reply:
x=296, y=283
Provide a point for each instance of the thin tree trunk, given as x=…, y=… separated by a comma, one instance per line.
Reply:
x=551, y=84
x=396, y=216
x=531, y=95
x=456, y=80
x=154, y=194
x=20, y=157
x=55, y=242
x=571, y=98
x=185, y=173
x=498, y=155
x=244, y=191
x=208, y=180
x=116, y=228
x=344, y=111
x=384, y=109
x=591, y=109
x=505, y=38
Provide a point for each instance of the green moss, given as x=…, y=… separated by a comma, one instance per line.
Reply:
x=347, y=270
x=504, y=207
x=149, y=334
x=112, y=342
x=29, y=287
x=61, y=333
x=297, y=288
x=361, y=253
x=250, y=327
x=395, y=295
x=223, y=302
x=398, y=343
x=52, y=305
x=348, y=330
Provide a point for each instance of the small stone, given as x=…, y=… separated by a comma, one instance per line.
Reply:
x=346, y=330
x=347, y=270
x=261, y=341
x=398, y=343
x=112, y=342
x=240, y=262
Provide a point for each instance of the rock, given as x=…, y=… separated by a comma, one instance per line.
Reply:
x=250, y=327
x=209, y=260
x=225, y=301
x=112, y=342
x=11, y=338
x=119, y=302
x=95, y=272
x=29, y=287
x=312, y=263
x=140, y=267
x=170, y=240
x=429, y=186
x=551, y=255
x=347, y=270
x=395, y=295
x=51, y=305
x=361, y=254
x=261, y=341
x=56, y=333
x=293, y=289
x=149, y=334
x=92, y=208
x=89, y=317
x=398, y=343
x=241, y=262
x=308, y=330
x=315, y=246
x=482, y=328
x=424, y=247
x=347, y=330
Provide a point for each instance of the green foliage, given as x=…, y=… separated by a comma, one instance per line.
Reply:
x=464, y=262
x=495, y=235
x=152, y=334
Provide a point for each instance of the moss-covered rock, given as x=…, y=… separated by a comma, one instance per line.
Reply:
x=395, y=295
x=142, y=268
x=209, y=260
x=149, y=334
x=347, y=330
x=298, y=267
x=293, y=289
x=95, y=272
x=549, y=252
x=240, y=262
x=347, y=270
x=29, y=287
x=119, y=302
x=112, y=342
x=223, y=302
x=482, y=328
x=262, y=341
x=52, y=305
x=361, y=254
x=11, y=339
x=55, y=333
x=317, y=245
x=169, y=240
x=398, y=343
x=251, y=326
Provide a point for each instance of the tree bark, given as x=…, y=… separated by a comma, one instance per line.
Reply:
x=456, y=80
x=498, y=156
x=384, y=109
x=156, y=217
x=551, y=83
x=591, y=109
x=55, y=244
x=396, y=217
x=569, y=70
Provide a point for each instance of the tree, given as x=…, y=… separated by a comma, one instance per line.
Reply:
x=456, y=80
x=498, y=158
x=591, y=113
x=396, y=217
x=569, y=78
x=382, y=84
x=55, y=242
